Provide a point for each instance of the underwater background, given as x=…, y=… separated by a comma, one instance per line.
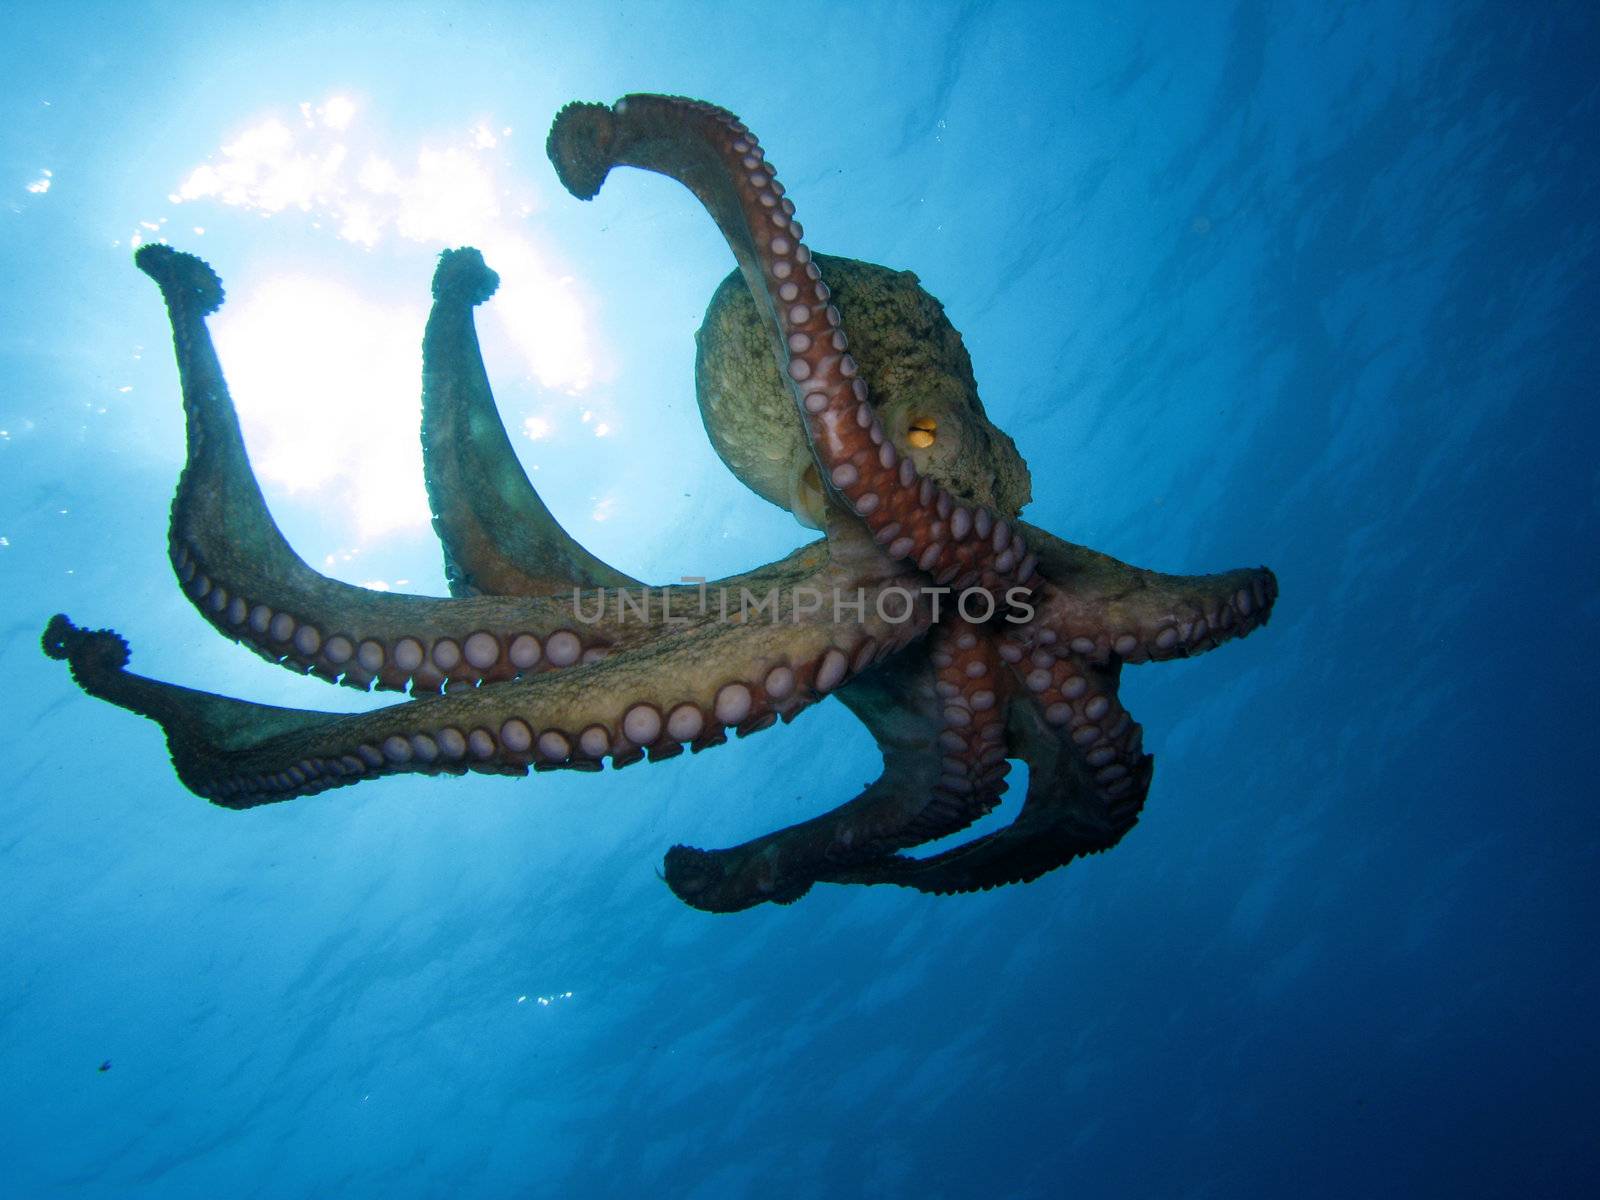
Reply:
x=1308, y=285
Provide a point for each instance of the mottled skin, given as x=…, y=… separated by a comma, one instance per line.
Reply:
x=536, y=660
x=914, y=361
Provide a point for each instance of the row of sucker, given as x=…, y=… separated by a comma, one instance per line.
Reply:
x=913, y=518
x=1222, y=618
x=425, y=664
x=1071, y=696
x=970, y=744
x=516, y=743
x=972, y=734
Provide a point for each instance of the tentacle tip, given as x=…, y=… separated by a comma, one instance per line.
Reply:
x=463, y=275
x=57, y=636
x=101, y=650
x=579, y=146
x=689, y=872
x=701, y=879
x=182, y=277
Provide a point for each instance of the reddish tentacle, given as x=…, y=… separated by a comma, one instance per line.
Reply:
x=941, y=723
x=715, y=155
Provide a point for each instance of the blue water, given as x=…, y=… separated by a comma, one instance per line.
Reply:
x=1307, y=285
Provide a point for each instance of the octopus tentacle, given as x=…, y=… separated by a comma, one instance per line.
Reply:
x=1065, y=815
x=97, y=659
x=1078, y=698
x=712, y=153
x=249, y=583
x=939, y=719
x=1088, y=773
x=1095, y=607
x=499, y=538
x=676, y=692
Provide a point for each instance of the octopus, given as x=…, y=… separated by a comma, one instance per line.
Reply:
x=964, y=638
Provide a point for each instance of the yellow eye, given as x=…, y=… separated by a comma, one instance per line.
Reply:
x=922, y=432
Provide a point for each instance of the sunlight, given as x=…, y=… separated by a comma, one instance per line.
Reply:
x=453, y=194
x=336, y=417
x=540, y=313
x=338, y=112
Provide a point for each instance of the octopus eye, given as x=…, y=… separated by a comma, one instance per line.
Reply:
x=922, y=432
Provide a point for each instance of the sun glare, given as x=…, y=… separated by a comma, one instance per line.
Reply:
x=336, y=415
x=455, y=194
x=354, y=369
x=338, y=112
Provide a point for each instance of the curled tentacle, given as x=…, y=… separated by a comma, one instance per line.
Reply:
x=200, y=727
x=499, y=538
x=713, y=154
x=681, y=690
x=939, y=718
x=1065, y=815
x=1088, y=773
x=1078, y=699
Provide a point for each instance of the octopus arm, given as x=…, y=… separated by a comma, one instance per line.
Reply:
x=716, y=157
x=1096, y=607
x=243, y=576
x=1088, y=773
x=939, y=717
x=499, y=538
x=680, y=690
x=1068, y=812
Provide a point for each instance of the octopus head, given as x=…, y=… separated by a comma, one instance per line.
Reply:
x=919, y=378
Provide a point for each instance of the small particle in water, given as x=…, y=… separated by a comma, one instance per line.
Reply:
x=105, y=1066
